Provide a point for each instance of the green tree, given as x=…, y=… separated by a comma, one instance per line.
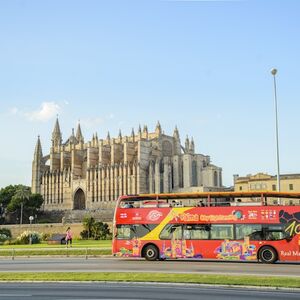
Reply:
x=100, y=231
x=6, y=196
x=20, y=202
x=88, y=224
x=95, y=230
x=29, y=205
x=7, y=193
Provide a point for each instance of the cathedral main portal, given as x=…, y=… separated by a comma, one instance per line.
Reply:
x=79, y=200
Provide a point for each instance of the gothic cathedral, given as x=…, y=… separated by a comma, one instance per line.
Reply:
x=79, y=175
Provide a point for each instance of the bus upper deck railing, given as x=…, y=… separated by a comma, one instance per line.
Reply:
x=209, y=199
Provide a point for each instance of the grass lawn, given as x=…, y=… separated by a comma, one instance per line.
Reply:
x=76, y=244
x=287, y=282
x=55, y=251
x=79, y=247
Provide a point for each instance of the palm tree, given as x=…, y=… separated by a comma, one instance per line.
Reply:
x=88, y=224
x=22, y=193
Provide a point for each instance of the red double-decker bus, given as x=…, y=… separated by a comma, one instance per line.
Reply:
x=215, y=225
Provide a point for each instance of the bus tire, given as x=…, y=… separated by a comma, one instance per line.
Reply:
x=268, y=255
x=150, y=252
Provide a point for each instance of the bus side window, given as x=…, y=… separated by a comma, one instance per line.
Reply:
x=196, y=232
x=256, y=236
x=221, y=231
x=243, y=230
x=123, y=232
x=274, y=232
x=171, y=231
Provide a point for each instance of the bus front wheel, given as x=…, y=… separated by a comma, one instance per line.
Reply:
x=268, y=255
x=151, y=252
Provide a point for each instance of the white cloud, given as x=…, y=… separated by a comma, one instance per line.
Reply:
x=47, y=111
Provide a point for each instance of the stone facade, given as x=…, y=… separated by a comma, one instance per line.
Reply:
x=266, y=182
x=79, y=176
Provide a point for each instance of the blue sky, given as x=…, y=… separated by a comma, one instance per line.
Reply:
x=201, y=65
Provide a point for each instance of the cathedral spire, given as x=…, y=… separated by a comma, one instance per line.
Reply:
x=37, y=168
x=108, y=136
x=120, y=135
x=158, y=128
x=56, y=135
x=38, y=149
x=79, y=135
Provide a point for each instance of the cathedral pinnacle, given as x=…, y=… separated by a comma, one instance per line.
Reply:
x=132, y=134
x=120, y=134
x=72, y=139
x=158, y=128
x=38, y=149
x=56, y=135
x=79, y=135
x=192, y=146
x=176, y=133
x=145, y=132
x=108, y=136
x=140, y=132
x=187, y=144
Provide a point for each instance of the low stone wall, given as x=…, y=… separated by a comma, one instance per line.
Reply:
x=76, y=228
x=16, y=230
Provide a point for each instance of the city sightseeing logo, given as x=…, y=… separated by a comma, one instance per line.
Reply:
x=153, y=215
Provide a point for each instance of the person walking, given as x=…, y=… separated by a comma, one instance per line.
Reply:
x=69, y=237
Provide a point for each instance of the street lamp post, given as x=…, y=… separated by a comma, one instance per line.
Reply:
x=274, y=72
x=31, y=218
x=21, y=216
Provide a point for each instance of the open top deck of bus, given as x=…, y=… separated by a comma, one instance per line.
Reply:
x=212, y=198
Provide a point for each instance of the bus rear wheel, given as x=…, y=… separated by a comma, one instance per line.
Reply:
x=151, y=252
x=268, y=255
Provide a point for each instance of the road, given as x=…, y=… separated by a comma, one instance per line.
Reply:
x=140, y=265
x=77, y=291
